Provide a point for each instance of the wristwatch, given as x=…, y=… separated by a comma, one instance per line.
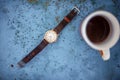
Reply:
x=50, y=36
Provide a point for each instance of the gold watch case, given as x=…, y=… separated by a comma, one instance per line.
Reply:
x=51, y=36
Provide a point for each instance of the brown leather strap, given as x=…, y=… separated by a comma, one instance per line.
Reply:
x=35, y=51
x=65, y=21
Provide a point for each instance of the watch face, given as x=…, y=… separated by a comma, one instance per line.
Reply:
x=50, y=36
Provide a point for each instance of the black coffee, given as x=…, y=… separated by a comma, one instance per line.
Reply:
x=98, y=29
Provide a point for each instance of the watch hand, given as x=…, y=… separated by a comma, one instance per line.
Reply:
x=33, y=53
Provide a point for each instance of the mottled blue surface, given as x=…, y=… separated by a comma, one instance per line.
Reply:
x=22, y=27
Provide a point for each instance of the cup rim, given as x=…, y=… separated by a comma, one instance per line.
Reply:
x=115, y=35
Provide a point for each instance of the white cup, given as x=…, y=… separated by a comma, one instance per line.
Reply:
x=110, y=41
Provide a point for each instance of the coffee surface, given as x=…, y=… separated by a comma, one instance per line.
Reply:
x=98, y=29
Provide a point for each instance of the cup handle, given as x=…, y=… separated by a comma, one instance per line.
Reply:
x=105, y=54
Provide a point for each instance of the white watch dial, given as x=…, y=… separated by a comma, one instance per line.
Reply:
x=50, y=36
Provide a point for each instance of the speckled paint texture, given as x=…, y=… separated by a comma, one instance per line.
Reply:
x=22, y=27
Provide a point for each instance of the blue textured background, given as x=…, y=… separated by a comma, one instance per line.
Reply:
x=22, y=27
